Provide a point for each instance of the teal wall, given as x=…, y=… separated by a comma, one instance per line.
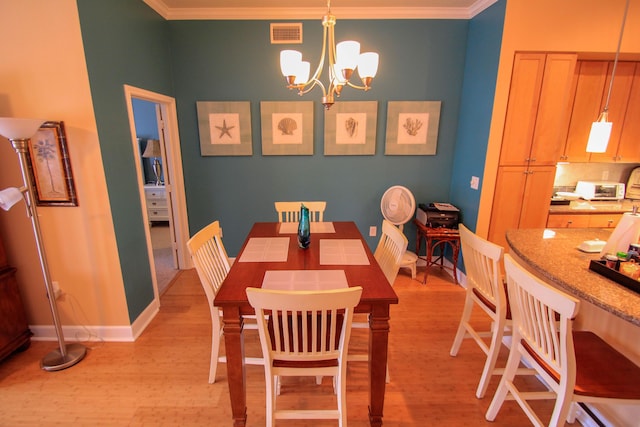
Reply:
x=480, y=74
x=125, y=43
x=128, y=43
x=234, y=61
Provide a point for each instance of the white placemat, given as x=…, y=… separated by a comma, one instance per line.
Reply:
x=342, y=252
x=266, y=249
x=304, y=280
x=316, y=227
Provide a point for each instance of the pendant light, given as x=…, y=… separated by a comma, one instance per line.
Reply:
x=601, y=129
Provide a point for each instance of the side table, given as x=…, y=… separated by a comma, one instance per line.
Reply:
x=438, y=238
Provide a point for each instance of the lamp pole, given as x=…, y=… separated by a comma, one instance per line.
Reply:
x=68, y=354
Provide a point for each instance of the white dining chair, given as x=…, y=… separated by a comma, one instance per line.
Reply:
x=304, y=333
x=576, y=366
x=290, y=211
x=212, y=265
x=485, y=290
x=389, y=252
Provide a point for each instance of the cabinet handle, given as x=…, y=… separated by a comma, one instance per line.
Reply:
x=610, y=222
x=569, y=223
x=533, y=160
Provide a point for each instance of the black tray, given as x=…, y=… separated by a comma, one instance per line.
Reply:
x=600, y=267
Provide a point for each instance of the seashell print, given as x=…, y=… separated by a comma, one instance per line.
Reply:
x=412, y=126
x=351, y=125
x=287, y=126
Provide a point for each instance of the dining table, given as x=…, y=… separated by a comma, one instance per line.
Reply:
x=271, y=250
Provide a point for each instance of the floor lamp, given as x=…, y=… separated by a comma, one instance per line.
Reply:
x=19, y=131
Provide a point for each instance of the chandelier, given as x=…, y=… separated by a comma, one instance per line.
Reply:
x=344, y=58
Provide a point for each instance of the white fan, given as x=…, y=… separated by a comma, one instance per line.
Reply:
x=398, y=206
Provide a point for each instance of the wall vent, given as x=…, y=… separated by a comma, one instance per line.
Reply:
x=286, y=33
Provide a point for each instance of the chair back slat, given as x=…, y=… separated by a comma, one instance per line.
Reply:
x=290, y=211
x=390, y=250
x=542, y=318
x=482, y=263
x=210, y=258
x=304, y=325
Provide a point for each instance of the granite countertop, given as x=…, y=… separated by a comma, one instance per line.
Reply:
x=558, y=260
x=594, y=207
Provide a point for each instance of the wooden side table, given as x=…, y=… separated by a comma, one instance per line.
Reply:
x=438, y=238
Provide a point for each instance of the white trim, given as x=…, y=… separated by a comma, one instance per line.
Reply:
x=258, y=13
x=85, y=333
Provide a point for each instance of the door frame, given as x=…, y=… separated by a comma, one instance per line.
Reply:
x=173, y=168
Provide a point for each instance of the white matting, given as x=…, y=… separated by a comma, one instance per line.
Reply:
x=266, y=249
x=304, y=280
x=316, y=227
x=342, y=252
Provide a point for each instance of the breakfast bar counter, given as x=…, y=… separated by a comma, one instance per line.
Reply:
x=606, y=307
x=558, y=259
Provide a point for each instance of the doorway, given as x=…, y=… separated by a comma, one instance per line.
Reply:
x=156, y=146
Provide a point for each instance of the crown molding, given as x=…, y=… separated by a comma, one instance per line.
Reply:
x=286, y=13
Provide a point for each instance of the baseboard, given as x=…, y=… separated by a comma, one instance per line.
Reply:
x=84, y=333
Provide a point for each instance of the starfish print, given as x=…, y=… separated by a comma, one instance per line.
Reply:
x=224, y=129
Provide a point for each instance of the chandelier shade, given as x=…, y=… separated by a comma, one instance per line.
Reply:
x=343, y=59
x=18, y=128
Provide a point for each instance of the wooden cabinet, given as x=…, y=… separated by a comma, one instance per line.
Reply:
x=14, y=330
x=622, y=85
x=629, y=146
x=601, y=220
x=156, y=198
x=537, y=109
x=521, y=200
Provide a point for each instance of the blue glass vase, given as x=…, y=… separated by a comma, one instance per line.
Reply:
x=304, y=229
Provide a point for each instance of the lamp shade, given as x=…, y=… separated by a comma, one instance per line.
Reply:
x=289, y=62
x=599, y=137
x=302, y=72
x=9, y=197
x=368, y=65
x=14, y=128
x=347, y=54
x=152, y=149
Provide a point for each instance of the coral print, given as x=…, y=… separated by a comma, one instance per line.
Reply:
x=412, y=126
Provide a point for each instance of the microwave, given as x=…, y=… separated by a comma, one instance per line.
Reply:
x=600, y=190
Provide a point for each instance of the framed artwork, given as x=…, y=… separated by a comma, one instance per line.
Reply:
x=287, y=128
x=350, y=128
x=412, y=127
x=50, y=167
x=225, y=128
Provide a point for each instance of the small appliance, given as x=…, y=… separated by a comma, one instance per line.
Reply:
x=600, y=190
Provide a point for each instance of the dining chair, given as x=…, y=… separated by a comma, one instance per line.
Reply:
x=389, y=252
x=576, y=366
x=290, y=211
x=486, y=290
x=304, y=333
x=212, y=265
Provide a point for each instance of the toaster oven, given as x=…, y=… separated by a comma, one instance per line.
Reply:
x=600, y=190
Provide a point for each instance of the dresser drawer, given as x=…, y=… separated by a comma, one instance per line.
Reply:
x=158, y=214
x=155, y=193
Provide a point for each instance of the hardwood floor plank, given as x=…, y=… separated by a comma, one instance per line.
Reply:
x=161, y=379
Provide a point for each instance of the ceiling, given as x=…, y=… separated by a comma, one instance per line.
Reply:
x=315, y=9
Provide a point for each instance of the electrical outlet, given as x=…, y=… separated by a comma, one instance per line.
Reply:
x=605, y=175
x=57, y=292
x=373, y=230
x=475, y=182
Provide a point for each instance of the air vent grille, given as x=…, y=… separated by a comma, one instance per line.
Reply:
x=286, y=33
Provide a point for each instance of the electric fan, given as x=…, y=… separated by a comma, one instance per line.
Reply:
x=398, y=206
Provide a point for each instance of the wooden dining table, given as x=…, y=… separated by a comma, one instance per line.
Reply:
x=266, y=248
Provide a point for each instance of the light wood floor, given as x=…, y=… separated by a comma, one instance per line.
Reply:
x=161, y=379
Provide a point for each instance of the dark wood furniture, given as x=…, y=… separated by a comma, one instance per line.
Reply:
x=377, y=296
x=438, y=238
x=14, y=330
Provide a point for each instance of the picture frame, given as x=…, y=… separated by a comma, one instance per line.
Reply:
x=412, y=127
x=350, y=128
x=225, y=128
x=50, y=166
x=287, y=128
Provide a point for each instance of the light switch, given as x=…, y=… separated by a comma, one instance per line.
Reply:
x=475, y=182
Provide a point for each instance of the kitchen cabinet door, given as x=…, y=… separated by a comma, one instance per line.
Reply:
x=554, y=109
x=629, y=147
x=521, y=199
x=586, y=108
x=522, y=108
x=617, y=108
x=604, y=220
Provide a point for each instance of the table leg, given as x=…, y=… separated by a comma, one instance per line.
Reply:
x=236, y=376
x=429, y=242
x=378, y=345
